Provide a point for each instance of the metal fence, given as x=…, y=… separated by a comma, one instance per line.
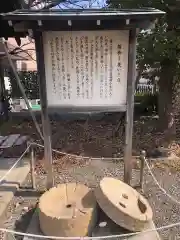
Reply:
x=19, y=104
x=148, y=89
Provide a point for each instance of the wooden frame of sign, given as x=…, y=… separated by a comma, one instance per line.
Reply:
x=86, y=62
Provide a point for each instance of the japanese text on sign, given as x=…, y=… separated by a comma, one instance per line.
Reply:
x=86, y=68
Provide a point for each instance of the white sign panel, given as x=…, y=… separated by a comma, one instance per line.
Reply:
x=86, y=68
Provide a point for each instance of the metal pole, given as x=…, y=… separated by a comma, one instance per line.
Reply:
x=14, y=70
x=44, y=108
x=32, y=166
x=2, y=84
x=142, y=159
x=130, y=106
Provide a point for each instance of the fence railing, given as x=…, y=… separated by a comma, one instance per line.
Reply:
x=19, y=104
x=143, y=89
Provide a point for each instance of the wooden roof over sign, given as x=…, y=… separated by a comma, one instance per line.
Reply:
x=82, y=18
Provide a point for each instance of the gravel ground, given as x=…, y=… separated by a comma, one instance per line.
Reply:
x=90, y=173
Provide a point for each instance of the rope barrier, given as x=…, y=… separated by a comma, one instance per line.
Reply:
x=90, y=238
x=82, y=157
x=97, y=237
x=14, y=165
x=160, y=187
x=120, y=158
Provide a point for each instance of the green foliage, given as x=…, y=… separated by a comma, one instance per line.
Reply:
x=159, y=4
x=30, y=83
x=160, y=46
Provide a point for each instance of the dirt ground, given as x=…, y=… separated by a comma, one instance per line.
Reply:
x=95, y=136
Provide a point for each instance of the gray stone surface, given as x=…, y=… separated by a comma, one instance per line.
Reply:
x=12, y=182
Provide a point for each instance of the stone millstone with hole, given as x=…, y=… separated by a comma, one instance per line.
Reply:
x=68, y=210
x=123, y=204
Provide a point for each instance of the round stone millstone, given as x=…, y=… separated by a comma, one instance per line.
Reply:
x=68, y=210
x=123, y=204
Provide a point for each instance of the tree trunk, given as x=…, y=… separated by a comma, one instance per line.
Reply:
x=138, y=77
x=176, y=107
x=165, y=103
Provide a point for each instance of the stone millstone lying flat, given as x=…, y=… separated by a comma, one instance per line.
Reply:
x=123, y=204
x=67, y=210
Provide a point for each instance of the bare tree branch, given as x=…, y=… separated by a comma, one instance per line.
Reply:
x=25, y=51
